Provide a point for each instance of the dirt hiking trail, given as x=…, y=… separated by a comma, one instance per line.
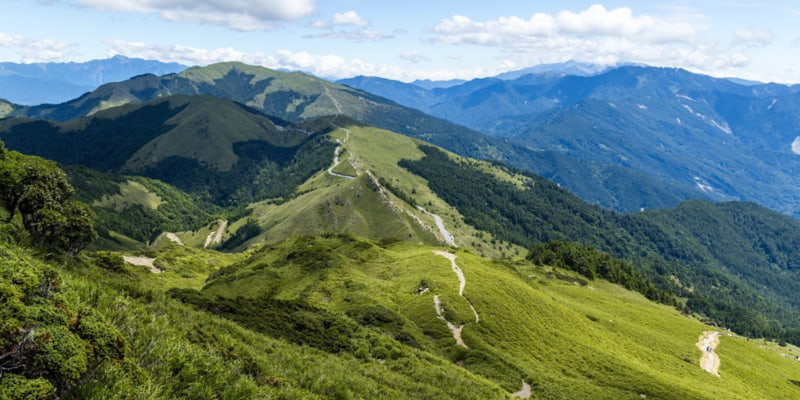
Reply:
x=707, y=342
x=462, y=281
x=174, y=238
x=142, y=262
x=524, y=392
x=215, y=237
x=455, y=329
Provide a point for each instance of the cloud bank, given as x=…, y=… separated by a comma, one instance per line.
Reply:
x=37, y=50
x=243, y=15
x=595, y=35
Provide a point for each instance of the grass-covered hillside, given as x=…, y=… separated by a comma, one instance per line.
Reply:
x=369, y=195
x=335, y=316
x=517, y=323
x=734, y=262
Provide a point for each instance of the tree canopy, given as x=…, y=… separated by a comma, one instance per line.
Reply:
x=39, y=190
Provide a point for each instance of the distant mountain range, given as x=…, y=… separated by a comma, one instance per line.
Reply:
x=38, y=83
x=296, y=97
x=729, y=140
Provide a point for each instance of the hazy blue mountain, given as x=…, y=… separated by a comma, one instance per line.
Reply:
x=38, y=83
x=429, y=84
x=564, y=68
x=730, y=140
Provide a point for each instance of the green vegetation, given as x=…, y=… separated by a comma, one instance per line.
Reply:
x=595, y=264
x=136, y=207
x=736, y=273
x=39, y=190
x=568, y=341
x=334, y=316
x=249, y=230
x=51, y=342
x=223, y=152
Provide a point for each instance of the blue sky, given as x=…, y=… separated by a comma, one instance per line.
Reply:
x=412, y=39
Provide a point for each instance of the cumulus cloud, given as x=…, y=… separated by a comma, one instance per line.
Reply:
x=349, y=18
x=323, y=65
x=245, y=15
x=37, y=50
x=596, y=35
x=753, y=37
x=595, y=22
x=414, y=57
x=336, y=28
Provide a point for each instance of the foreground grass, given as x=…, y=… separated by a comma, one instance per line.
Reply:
x=537, y=324
x=567, y=338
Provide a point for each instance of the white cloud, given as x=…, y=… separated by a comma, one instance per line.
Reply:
x=414, y=57
x=323, y=65
x=596, y=35
x=594, y=22
x=37, y=50
x=245, y=15
x=754, y=37
x=358, y=34
x=349, y=18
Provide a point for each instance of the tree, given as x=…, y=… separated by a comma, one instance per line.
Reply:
x=38, y=188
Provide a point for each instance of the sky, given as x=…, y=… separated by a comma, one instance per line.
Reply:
x=412, y=39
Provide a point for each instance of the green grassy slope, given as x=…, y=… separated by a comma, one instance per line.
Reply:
x=566, y=340
x=733, y=261
x=381, y=203
x=168, y=350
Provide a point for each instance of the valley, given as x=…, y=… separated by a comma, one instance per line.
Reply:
x=265, y=234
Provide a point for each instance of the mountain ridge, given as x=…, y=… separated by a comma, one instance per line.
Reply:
x=296, y=96
x=55, y=82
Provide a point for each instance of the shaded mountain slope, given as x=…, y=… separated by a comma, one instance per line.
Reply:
x=299, y=97
x=206, y=145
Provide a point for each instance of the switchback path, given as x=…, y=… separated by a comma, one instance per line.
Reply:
x=455, y=329
x=174, y=238
x=340, y=143
x=462, y=280
x=524, y=392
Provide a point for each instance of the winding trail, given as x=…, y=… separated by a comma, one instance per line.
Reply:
x=462, y=280
x=446, y=235
x=524, y=392
x=336, y=153
x=455, y=329
x=215, y=237
x=174, y=238
x=142, y=262
x=707, y=342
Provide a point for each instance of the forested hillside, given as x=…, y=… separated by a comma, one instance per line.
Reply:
x=734, y=262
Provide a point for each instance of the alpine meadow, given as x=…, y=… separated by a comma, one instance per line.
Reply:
x=607, y=215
